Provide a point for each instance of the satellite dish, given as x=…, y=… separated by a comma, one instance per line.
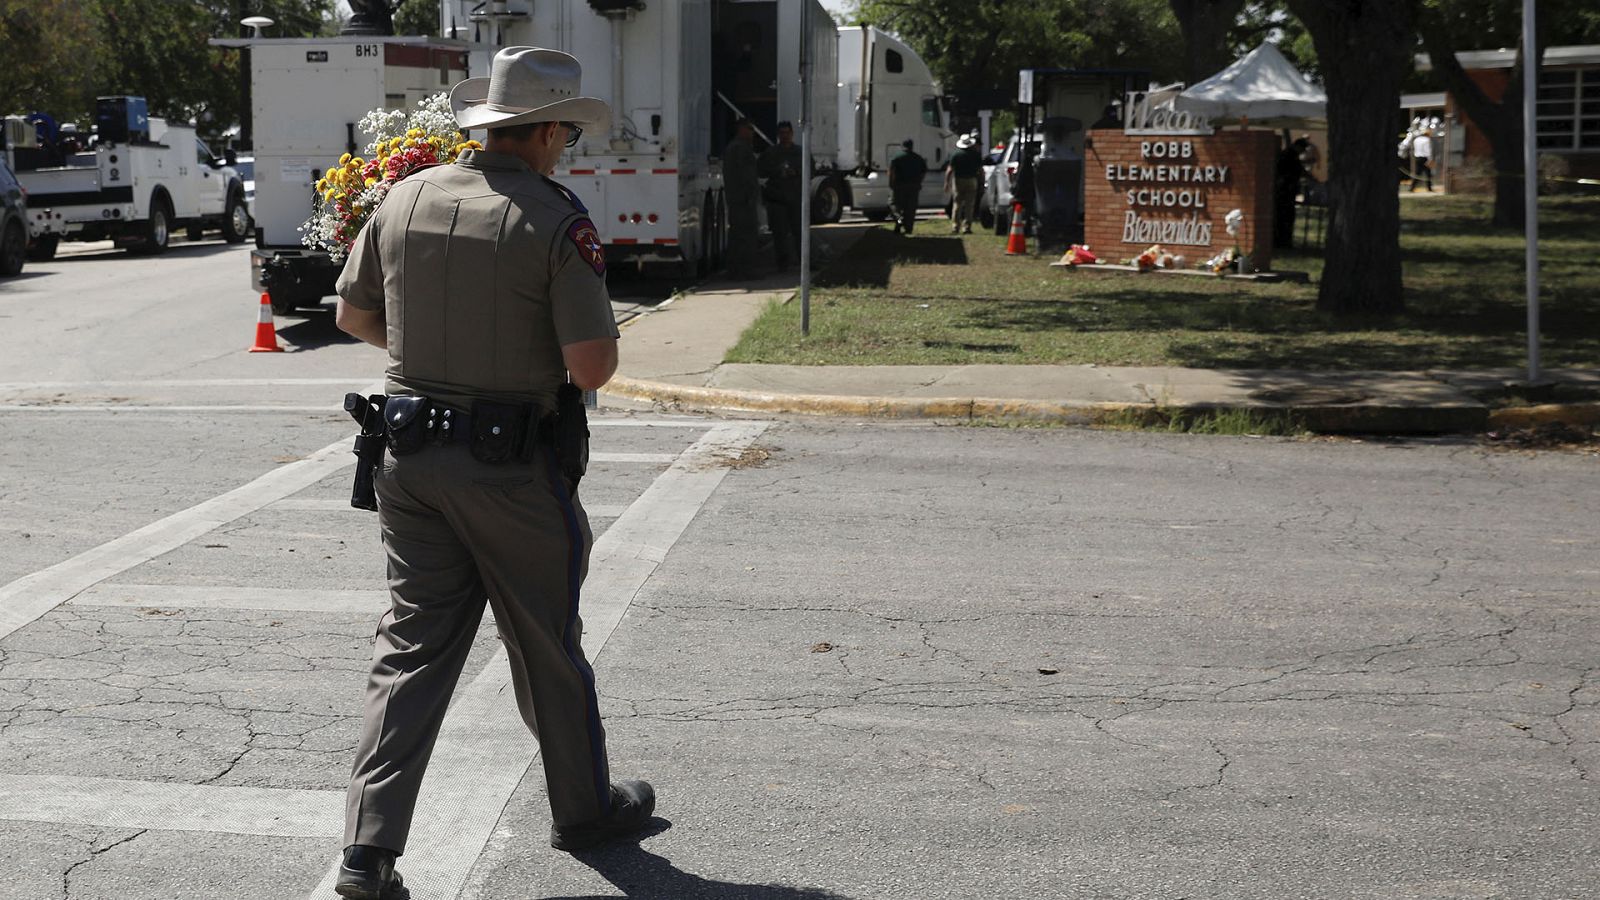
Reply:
x=256, y=23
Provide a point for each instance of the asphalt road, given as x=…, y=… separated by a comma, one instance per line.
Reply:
x=859, y=660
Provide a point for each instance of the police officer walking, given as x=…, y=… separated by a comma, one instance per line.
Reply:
x=485, y=280
x=906, y=171
x=784, y=169
x=742, y=187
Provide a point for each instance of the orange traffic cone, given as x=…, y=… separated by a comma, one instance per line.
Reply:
x=1017, y=244
x=266, y=335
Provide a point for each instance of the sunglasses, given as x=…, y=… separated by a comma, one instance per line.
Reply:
x=573, y=133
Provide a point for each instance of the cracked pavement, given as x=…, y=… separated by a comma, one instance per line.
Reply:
x=889, y=660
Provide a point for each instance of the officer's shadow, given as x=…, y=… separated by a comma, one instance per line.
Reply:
x=642, y=875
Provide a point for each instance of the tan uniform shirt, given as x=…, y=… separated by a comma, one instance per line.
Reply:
x=483, y=269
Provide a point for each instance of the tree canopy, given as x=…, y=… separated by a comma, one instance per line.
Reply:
x=61, y=54
x=980, y=44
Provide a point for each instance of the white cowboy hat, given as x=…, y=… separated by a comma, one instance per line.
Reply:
x=965, y=141
x=527, y=84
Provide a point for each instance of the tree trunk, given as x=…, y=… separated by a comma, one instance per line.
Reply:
x=1364, y=47
x=1204, y=24
x=1505, y=142
x=1499, y=120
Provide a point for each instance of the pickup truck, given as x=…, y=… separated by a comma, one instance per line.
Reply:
x=133, y=192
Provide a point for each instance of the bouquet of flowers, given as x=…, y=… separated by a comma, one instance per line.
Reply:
x=1225, y=261
x=350, y=192
x=1078, y=255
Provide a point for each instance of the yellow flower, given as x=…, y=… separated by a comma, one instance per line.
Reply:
x=344, y=160
x=415, y=132
x=329, y=173
x=371, y=181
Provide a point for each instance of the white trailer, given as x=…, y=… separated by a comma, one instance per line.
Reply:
x=134, y=192
x=308, y=96
x=887, y=94
x=677, y=74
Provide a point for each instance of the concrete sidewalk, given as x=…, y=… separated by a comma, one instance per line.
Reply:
x=673, y=356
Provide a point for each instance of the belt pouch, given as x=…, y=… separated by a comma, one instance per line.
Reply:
x=497, y=430
x=400, y=418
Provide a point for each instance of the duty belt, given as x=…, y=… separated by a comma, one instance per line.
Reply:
x=495, y=432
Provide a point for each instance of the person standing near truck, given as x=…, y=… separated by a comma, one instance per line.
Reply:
x=742, y=186
x=906, y=172
x=784, y=169
x=961, y=181
x=485, y=281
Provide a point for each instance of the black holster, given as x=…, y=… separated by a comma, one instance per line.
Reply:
x=368, y=413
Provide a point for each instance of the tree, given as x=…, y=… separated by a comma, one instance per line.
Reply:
x=50, y=50
x=417, y=17
x=1448, y=26
x=1365, y=49
x=1270, y=20
x=1205, y=25
x=980, y=44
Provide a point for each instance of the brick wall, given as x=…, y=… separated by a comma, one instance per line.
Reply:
x=1247, y=186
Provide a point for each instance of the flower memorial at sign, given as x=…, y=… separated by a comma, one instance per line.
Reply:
x=1229, y=258
x=350, y=192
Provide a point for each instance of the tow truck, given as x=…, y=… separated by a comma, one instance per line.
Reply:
x=139, y=178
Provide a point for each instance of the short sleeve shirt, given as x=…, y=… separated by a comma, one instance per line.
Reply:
x=966, y=163
x=908, y=169
x=484, y=270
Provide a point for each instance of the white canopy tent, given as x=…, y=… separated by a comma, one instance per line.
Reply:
x=1260, y=86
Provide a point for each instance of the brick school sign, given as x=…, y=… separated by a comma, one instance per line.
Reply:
x=1173, y=190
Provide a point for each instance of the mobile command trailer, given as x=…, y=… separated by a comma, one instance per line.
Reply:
x=308, y=96
x=677, y=74
x=886, y=95
x=142, y=178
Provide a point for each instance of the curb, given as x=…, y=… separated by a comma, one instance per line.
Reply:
x=1325, y=419
x=1583, y=414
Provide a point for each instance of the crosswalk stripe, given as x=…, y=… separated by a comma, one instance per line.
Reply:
x=172, y=596
x=117, y=803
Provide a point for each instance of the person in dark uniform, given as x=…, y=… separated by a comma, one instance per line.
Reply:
x=485, y=280
x=1287, y=176
x=742, y=187
x=906, y=172
x=784, y=170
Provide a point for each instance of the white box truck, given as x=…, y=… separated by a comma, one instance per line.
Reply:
x=677, y=74
x=140, y=178
x=308, y=96
x=887, y=94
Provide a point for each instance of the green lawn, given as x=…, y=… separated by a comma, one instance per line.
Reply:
x=940, y=299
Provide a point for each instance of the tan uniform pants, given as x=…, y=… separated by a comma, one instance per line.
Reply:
x=456, y=532
x=966, y=201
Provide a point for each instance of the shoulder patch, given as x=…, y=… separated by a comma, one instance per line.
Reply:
x=583, y=235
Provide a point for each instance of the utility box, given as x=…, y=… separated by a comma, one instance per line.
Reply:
x=1058, y=183
x=122, y=120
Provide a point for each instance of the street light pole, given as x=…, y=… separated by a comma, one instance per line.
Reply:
x=1530, y=180
x=805, y=168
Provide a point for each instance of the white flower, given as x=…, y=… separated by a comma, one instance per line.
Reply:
x=1233, y=220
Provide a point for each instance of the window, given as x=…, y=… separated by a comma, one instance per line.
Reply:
x=1568, y=108
x=930, y=112
x=202, y=153
x=893, y=62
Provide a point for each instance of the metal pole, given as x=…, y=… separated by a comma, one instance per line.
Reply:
x=1530, y=181
x=805, y=170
